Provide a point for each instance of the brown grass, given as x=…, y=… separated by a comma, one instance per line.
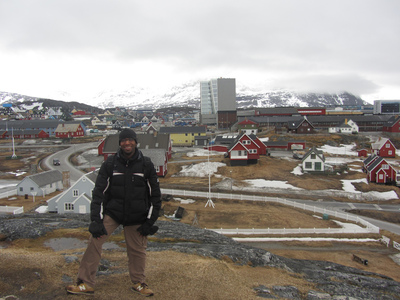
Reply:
x=37, y=271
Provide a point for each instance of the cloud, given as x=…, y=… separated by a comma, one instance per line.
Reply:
x=59, y=45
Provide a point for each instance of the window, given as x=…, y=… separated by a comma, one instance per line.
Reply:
x=68, y=207
x=313, y=156
x=246, y=142
x=253, y=151
x=75, y=193
x=385, y=167
x=381, y=176
x=387, y=145
x=318, y=166
x=21, y=189
x=308, y=165
x=32, y=188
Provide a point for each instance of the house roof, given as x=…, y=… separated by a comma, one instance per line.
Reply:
x=375, y=163
x=157, y=156
x=392, y=121
x=248, y=122
x=370, y=158
x=67, y=127
x=92, y=175
x=44, y=178
x=225, y=138
x=23, y=132
x=183, y=129
x=294, y=124
x=145, y=141
x=380, y=143
x=237, y=140
x=319, y=153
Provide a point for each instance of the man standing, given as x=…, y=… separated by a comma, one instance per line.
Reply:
x=128, y=191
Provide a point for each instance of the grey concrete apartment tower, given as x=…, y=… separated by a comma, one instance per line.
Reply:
x=218, y=102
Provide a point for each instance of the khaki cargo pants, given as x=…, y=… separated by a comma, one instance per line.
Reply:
x=136, y=251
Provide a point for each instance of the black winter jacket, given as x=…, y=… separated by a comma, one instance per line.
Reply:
x=131, y=194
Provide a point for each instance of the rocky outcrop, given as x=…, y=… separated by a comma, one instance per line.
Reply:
x=336, y=281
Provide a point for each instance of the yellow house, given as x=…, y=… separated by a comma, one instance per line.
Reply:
x=184, y=136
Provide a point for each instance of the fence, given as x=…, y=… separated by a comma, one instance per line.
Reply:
x=337, y=214
x=11, y=209
x=255, y=231
x=8, y=194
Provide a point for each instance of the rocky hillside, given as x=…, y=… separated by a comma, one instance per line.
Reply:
x=326, y=280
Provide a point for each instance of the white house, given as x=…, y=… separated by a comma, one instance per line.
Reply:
x=313, y=160
x=347, y=126
x=77, y=198
x=41, y=184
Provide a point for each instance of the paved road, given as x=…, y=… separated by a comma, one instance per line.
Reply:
x=63, y=156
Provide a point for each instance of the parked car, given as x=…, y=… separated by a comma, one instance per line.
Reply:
x=56, y=162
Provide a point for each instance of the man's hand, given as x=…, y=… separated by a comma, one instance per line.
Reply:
x=147, y=229
x=97, y=229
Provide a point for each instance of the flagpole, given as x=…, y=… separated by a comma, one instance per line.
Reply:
x=209, y=201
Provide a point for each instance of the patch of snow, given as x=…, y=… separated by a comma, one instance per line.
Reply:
x=17, y=173
x=42, y=209
x=298, y=170
x=342, y=150
x=200, y=170
x=185, y=201
x=203, y=152
x=261, y=183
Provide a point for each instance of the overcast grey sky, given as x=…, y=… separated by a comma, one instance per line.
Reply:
x=82, y=47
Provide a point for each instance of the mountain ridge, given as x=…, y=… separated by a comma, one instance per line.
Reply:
x=188, y=95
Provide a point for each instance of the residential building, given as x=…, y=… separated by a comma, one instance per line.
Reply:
x=386, y=107
x=392, y=125
x=69, y=130
x=248, y=126
x=313, y=160
x=243, y=151
x=77, y=198
x=41, y=183
x=184, y=136
x=379, y=170
x=218, y=102
x=384, y=148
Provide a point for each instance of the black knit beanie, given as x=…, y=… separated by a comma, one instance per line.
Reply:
x=127, y=134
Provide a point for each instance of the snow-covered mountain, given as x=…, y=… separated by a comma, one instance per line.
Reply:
x=188, y=95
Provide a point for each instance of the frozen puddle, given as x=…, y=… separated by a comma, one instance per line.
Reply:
x=60, y=244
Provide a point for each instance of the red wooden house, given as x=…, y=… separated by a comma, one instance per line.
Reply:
x=69, y=130
x=363, y=153
x=248, y=127
x=243, y=151
x=26, y=134
x=300, y=126
x=392, y=125
x=262, y=148
x=380, y=171
x=384, y=148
